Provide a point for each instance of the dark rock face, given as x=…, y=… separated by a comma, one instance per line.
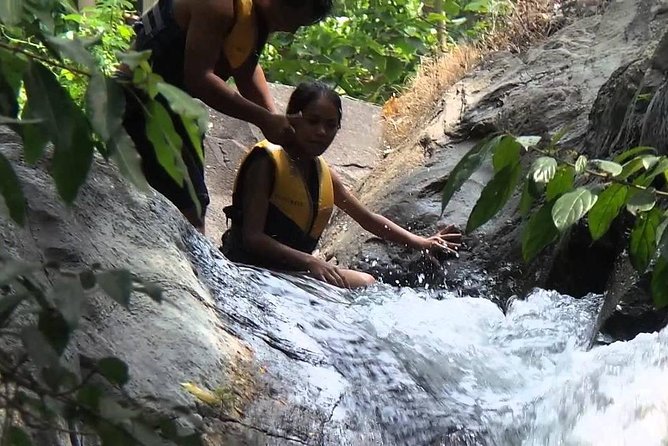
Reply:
x=602, y=78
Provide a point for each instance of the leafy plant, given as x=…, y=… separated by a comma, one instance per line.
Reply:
x=40, y=388
x=369, y=48
x=40, y=41
x=560, y=190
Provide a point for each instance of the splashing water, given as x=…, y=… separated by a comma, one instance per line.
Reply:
x=397, y=366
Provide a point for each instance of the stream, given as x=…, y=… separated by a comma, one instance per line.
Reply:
x=402, y=366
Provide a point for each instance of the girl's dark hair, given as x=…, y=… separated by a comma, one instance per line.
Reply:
x=307, y=92
x=321, y=8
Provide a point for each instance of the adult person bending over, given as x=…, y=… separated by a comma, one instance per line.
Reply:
x=197, y=45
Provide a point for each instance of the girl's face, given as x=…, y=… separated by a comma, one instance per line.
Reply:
x=317, y=127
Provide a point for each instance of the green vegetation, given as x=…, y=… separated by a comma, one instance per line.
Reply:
x=56, y=86
x=369, y=48
x=562, y=188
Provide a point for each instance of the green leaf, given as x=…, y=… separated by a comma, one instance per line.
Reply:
x=606, y=209
x=494, y=196
x=561, y=183
x=87, y=280
x=193, y=114
x=641, y=200
x=528, y=141
x=166, y=142
x=17, y=436
x=394, y=68
x=465, y=168
x=506, y=153
x=657, y=169
x=627, y=155
x=610, y=167
x=126, y=157
x=660, y=282
x=115, y=370
x=643, y=239
x=73, y=49
x=571, y=207
x=89, y=396
x=38, y=348
x=580, y=164
x=117, y=284
x=34, y=136
x=543, y=169
x=105, y=104
x=539, y=232
x=478, y=6
x=11, y=12
x=55, y=329
x=526, y=201
x=133, y=59
x=66, y=127
x=68, y=295
x=11, y=192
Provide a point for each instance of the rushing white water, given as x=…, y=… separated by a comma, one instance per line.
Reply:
x=418, y=367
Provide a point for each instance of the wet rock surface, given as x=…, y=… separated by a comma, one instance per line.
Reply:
x=601, y=78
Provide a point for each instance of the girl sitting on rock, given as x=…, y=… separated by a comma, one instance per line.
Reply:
x=284, y=196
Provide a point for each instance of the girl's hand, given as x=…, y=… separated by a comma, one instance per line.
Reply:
x=447, y=240
x=326, y=272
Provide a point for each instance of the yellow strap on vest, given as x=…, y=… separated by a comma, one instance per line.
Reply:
x=241, y=40
x=290, y=192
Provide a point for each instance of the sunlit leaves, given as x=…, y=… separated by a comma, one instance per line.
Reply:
x=580, y=164
x=543, y=169
x=571, y=207
x=608, y=167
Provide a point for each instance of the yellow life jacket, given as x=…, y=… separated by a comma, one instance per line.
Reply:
x=242, y=38
x=293, y=218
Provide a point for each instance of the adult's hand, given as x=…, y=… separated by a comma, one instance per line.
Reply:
x=278, y=129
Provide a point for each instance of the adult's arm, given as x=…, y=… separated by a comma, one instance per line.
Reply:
x=252, y=85
x=210, y=21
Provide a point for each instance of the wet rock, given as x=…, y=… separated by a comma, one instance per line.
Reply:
x=601, y=79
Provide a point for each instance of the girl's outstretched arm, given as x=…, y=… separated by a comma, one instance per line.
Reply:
x=446, y=240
